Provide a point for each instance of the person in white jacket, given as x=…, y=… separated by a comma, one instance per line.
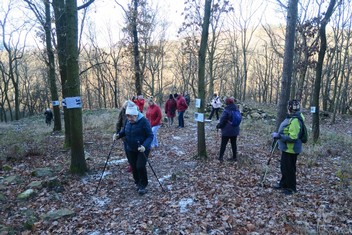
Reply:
x=216, y=105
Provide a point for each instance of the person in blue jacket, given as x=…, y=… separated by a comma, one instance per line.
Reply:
x=228, y=131
x=138, y=138
x=290, y=144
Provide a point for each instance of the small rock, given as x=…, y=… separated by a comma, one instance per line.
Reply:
x=12, y=179
x=42, y=172
x=35, y=184
x=6, y=167
x=56, y=214
x=26, y=194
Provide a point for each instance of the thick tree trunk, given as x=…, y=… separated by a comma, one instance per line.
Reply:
x=291, y=21
x=60, y=21
x=78, y=162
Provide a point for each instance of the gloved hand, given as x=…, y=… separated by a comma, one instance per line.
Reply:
x=141, y=148
x=115, y=137
x=275, y=135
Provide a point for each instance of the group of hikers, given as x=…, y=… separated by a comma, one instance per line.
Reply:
x=139, y=134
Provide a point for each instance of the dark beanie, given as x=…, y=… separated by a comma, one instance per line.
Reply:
x=175, y=95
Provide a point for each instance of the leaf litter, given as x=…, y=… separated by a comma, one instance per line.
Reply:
x=204, y=196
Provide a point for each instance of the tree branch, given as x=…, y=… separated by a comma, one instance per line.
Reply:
x=85, y=5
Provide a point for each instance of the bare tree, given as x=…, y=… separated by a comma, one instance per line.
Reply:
x=291, y=20
x=201, y=75
x=319, y=68
x=45, y=20
x=11, y=40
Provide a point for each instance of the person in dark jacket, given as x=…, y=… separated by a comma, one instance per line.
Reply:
x=290, y=144
x=48, y=116
x=154, y=117
x=138, y=136
x=228, y=131
x=121, y=121
x=181, y=108
x=170, y=109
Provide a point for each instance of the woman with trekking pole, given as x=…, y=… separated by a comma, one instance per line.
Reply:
x=138, y=138
x=290, y=144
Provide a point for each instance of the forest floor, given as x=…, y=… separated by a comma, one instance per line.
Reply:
x=201, y=196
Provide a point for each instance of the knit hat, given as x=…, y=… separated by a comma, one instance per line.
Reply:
x=131, y=109
x=175, y=95
x=293, y=105
x=229, y=100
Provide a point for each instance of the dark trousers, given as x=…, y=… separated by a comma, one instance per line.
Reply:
x=224, y=140
x=138, y=162
x=181, y=120
x=288, y=171
x=216, y=111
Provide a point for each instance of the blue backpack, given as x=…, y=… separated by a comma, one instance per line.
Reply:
x=236, y=118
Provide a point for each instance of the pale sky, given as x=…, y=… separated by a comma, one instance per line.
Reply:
x=108, y=16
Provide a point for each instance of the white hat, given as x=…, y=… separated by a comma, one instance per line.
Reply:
x=131, y=110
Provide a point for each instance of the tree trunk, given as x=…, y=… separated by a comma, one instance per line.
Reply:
x=51, y=65
x=60, y=22
x=78, y=162
x=202, y=152
x=137, y=68
x=319, y=70
x=291, y=21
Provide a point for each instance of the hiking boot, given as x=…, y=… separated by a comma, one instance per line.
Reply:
x=142, y=191
x=232, y=159
x=288, y=191
x=220, y=159
x=277, y=187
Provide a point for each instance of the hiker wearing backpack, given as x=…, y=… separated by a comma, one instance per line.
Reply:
x=230, y=128
x=216, y=105
x=289, y=137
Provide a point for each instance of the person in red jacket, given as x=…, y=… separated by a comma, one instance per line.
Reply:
x=170, y=109
x=139, y=102
x=181, y=108
x=154, y=116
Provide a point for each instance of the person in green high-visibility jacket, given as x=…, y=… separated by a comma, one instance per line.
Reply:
x=289, y=142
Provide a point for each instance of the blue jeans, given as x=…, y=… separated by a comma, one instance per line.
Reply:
x=181, y=120
x=155, y=138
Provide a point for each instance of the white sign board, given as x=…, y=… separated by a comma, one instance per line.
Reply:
x=63, y=102
x=199, y=117
x=313, y=109
x=55, y=103
x=198, y=103
x=73, y=102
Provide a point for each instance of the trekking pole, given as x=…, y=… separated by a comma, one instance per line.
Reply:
x=106, y=163
x=150, y=165
x=273, y=147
